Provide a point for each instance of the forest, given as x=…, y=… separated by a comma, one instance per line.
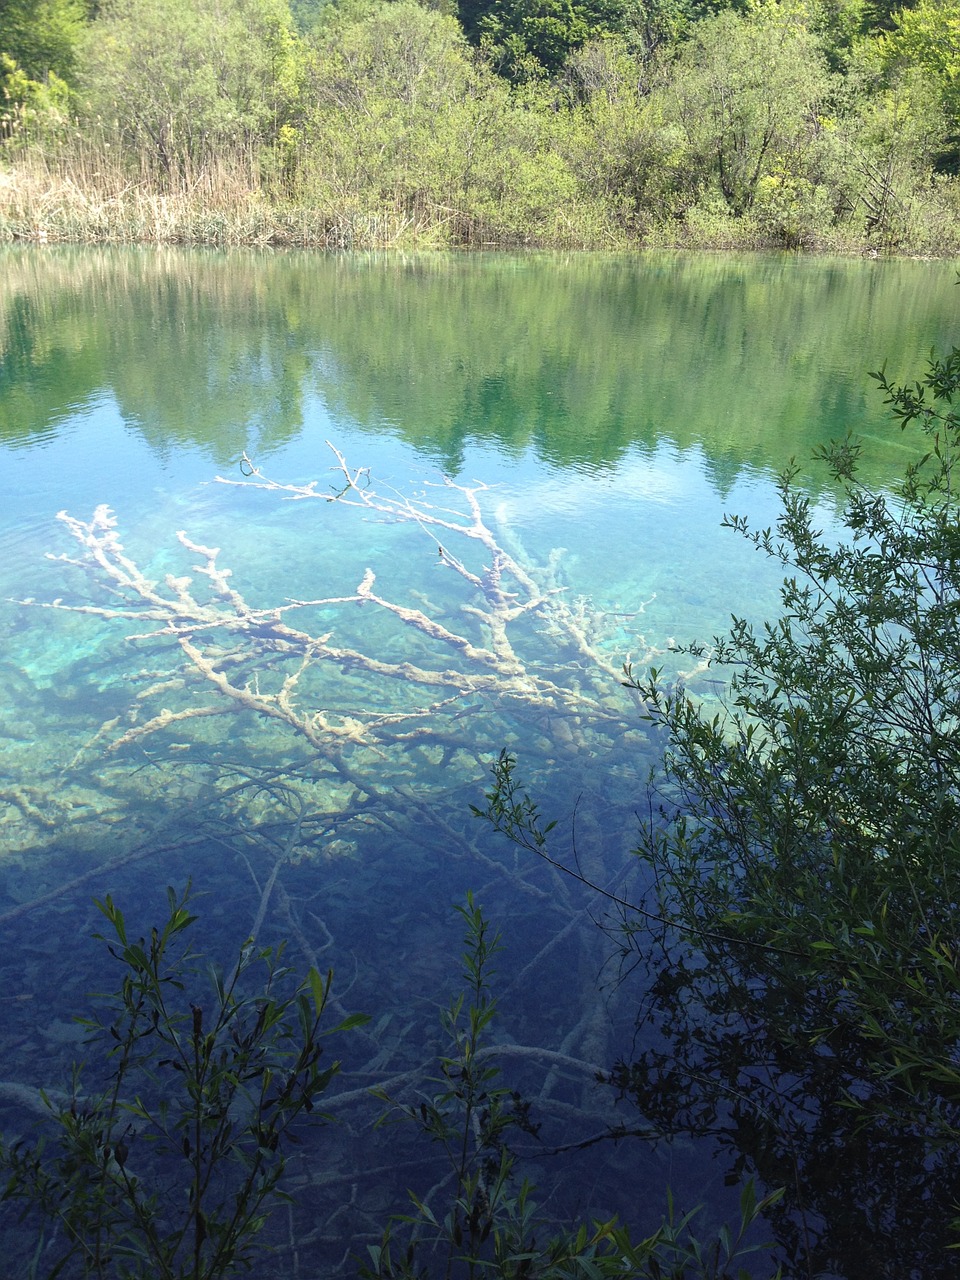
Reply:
x=816, y=125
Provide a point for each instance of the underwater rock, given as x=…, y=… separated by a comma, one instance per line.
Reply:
x=563, y=735
x=340, y=849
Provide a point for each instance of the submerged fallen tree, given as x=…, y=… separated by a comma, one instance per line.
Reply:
x=233, y=647
x=298, y=728
x=257, y=661
x=361, y=687
x=307, y=726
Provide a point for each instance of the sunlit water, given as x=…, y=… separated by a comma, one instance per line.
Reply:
x=602, y=415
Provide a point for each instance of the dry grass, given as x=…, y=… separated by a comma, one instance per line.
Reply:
x=88, y=198
x=83, y=194
x=85, y=198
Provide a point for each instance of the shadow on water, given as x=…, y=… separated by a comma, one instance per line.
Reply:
x=376, y=907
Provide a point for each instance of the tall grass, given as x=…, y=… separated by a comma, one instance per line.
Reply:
x=80, y=187
x=92, y=194
x=86, y=190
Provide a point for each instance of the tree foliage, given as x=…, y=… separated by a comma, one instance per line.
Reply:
x=404, y=122
x=798, y=933
x=805, y=854
x=181, y=84
x=925, y=39
x=172, y=1164
x=600, y=123
x=531, y=38
x=41, y=36
x=927, y=35
x=38, y=55
x=747, y=92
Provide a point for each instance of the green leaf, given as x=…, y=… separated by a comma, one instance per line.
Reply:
x=318, y=989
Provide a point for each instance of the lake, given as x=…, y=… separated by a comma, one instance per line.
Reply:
x=294, y=545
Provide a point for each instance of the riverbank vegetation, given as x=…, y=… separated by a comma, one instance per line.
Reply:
x=805, y=124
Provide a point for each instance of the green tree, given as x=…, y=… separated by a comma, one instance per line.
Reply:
x=182, y=85
x=893, y=131
x=41, y=35
x=746, y=91
x=406, y=129
x=811, y=835
x=620, y=137
x=171, y=1166
x=807, y=847
x=38, y=53
x=926, y=38
x=539, y=35
x=535, y=37
x=392, y=115
x=839, y=23
x=927, y=35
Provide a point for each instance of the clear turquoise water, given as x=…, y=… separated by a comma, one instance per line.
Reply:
x=606, y=412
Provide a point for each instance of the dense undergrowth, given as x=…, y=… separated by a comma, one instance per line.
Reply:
x=393, y=124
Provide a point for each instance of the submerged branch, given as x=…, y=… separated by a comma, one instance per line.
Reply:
x=260, y=660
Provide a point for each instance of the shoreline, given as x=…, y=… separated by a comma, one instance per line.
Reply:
x=39, y=210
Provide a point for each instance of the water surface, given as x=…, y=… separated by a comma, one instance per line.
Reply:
x=593, y=419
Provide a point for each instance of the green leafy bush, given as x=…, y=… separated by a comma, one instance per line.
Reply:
x=481, y=1219
x=799, y=931
x=171, y=1168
